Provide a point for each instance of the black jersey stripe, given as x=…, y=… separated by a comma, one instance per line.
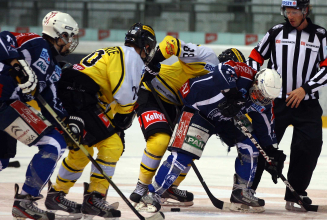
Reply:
x=306, y=64
x=170, y=89
x=64, y=161
x=122, y=72
x=284, y=70
x=296, y=59
x=178, y=47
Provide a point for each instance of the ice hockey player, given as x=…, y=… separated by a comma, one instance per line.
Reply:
x=29, y=67
x=99, y=94
x=193, y=60
x=209, y=101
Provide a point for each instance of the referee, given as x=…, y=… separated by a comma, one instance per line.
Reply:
x=297, y=50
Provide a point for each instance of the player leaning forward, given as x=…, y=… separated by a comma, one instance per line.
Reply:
x=99, y=93
x=209, y=101
x=30, y=60
x=193, y=60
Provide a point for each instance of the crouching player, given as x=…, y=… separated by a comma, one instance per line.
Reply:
x=210, y=102
x=28, y=67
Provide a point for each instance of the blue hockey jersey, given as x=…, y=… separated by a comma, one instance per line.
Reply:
x=36, y=51
x=204, y=94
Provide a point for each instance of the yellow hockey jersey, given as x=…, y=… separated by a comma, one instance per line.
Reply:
x=118, y=72
x=193, y=60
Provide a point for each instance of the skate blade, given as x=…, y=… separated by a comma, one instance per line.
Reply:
x=71, y=216
x=89, y=217
x=239, y=207
x=175, y=203
x=294, y=207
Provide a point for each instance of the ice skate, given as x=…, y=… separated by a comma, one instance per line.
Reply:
x=56, y=201
x=94, y=204
x=176, y=197
x=140, y=190
x=25, y=207
x=150, y=202
x=243, y=199
x=292, y=205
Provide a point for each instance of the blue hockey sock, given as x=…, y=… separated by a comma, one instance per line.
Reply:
x=40, y=169
x=169, y=171
x=247, y=166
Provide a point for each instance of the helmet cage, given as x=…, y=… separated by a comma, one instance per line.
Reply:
x=73, y=40
x=257, y=96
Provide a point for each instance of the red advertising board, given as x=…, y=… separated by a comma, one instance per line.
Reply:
x=81, y=32
x=22, y=29
x=173, y=34
x=250, y=39
x=102, y=34
x=211, y=37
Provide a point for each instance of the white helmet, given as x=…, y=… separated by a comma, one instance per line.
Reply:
x=266, y=87
x=57, y=24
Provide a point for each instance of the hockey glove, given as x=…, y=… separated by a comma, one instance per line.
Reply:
x=64, y=65
x=233, y=103
x=25, y=76
x=150, y=71
x=124, y=121
x=76, y=125
x=70, y=143
x=277, y=158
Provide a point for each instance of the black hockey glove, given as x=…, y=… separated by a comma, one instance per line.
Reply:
x=277, y=158
x=64, y=65
x=76, y=125
x=233, y=103
x=124, y=121
x=150, y=71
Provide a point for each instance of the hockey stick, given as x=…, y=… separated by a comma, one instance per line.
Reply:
x=157, y=216
x=216, y=202
x=14, y=164
x=246, y=132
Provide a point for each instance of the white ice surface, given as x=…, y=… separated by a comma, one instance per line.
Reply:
x=216, y=167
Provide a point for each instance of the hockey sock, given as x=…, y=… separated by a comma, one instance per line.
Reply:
x=169, y=171
x=246, y=165
x=51, y=147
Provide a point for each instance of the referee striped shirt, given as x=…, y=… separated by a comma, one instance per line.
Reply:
x=299, y=56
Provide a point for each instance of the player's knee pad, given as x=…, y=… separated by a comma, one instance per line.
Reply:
x=23, y=122
x=52, y=145
x=191, y=133
x=169, y=171
x=157, y=144
x=155, y=149
x=109, y=153
x=246, y=162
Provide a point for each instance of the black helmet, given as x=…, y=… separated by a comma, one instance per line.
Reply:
x=297, y=4
x=231, y=54
x=141, y=35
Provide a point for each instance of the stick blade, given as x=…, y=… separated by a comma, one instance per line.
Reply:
x=322, y=208
x=157, y=216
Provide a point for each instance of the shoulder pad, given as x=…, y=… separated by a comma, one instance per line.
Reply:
x=277, y=26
